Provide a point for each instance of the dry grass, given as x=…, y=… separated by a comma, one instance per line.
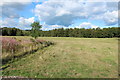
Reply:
x=14, y=47
x=70, y=57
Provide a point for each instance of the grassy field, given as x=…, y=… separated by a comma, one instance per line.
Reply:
x=70, y=58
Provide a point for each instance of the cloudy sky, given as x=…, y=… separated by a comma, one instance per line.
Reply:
x=59, y=13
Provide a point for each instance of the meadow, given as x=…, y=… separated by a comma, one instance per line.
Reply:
x=69, y=58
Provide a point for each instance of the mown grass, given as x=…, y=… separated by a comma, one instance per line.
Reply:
x=70, y=58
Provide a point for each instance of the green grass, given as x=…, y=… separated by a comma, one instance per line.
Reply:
x=70, y=58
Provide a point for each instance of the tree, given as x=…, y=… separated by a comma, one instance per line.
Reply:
x=35, y=29
x=61, y=32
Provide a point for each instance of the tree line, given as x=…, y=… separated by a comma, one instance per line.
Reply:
x=69, y=32
x=82, y=32
x=13, y=32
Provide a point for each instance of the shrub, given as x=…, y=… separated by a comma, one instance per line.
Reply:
x=10, y=44
x=32, y=40
x=40, y=41
x=45, y=43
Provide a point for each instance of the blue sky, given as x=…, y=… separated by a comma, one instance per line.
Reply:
x=59, y=13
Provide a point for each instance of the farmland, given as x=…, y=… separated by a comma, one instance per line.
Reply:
x=69, y=58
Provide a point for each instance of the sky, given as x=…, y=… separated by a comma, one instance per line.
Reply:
x=54, y=14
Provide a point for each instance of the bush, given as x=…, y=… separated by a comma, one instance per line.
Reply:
x=32, y=40
x=10, y=44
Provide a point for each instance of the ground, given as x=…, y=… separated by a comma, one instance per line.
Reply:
x=70, y=58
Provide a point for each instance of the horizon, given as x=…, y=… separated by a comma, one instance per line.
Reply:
x=60, y=28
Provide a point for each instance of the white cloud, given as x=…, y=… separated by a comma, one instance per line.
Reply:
x=25, y=22
x=63, y=12
x=102, y=0
x=8, y=22
x=60, y=13
x=21, y=1
x=11, y=9
x=50, y=27
x=87, y=25
x=22, y=23
x=111, y=18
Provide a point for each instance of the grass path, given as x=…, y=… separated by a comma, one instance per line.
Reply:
x=70, y=57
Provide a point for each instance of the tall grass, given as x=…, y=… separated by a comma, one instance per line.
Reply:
x=10, y=44
x=13, y=47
